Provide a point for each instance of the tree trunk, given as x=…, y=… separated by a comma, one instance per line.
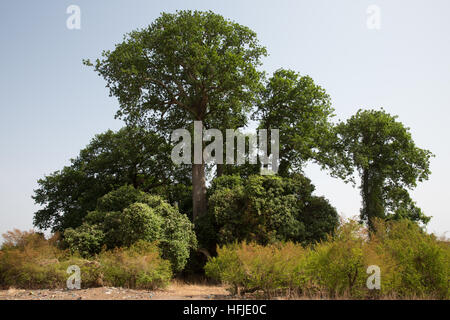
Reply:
x=198, y=190
x=219, y=170
x=372, y=194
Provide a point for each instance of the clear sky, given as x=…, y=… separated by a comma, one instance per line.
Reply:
x=51, y=105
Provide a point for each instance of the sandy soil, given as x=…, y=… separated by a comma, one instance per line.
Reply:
x=175, y=291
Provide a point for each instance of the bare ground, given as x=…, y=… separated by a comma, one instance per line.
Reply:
x=175, y=291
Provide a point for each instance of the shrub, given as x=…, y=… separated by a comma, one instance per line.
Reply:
x=412, y=264
x=28, y=260
x=86, y=239
x=91, y=271
x=140, y=222
x=138, y=266
x=177, y=235
x=127, y=215
x=338, y=266
x=251, y=267
x=422, y=263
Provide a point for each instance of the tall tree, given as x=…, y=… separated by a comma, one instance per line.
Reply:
x=382, y=151
x=185, y=66
x=301, y=110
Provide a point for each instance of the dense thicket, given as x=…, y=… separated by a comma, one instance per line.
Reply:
x=412, y=264
x=265, y=209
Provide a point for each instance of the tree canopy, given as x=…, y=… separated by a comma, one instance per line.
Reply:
x=301, y=110
x=186, y=66
x=112, y=159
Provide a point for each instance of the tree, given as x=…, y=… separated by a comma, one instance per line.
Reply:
x=112, y=159
x=184, y=67
x=265, y=209
x=301, y=110
x=388, y=162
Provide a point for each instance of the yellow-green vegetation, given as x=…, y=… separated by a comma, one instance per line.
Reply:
x=28, y=260
x=413, y=264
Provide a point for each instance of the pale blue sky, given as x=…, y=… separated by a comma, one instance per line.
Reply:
x=51, y=105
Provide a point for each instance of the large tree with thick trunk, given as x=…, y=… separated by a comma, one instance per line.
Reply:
x=184, y=67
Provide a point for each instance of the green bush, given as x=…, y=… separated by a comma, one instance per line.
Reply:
x=127, y=215
x=86, y=239
x=177, y=235
x=140, y=222
x=265, y=209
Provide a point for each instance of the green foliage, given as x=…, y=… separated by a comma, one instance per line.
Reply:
x=119, y=199
x=389, y=163
x=129, y=156
x=178, y=237
x=140, y=222
x=179, y=195
x=184, y=66
x=422, y=263
x=136, y=267
x=254, y=267
x=265, y=209
x=413, y=264
x=31, y=262
x=86, y=239
x=301, y=110
x=339, y=264
x=126, y=215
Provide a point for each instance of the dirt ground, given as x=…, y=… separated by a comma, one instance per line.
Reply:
x=175, y=291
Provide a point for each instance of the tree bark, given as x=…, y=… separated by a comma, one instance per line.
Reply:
x=372, y=194
x=198, y=190
x=219, y=170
